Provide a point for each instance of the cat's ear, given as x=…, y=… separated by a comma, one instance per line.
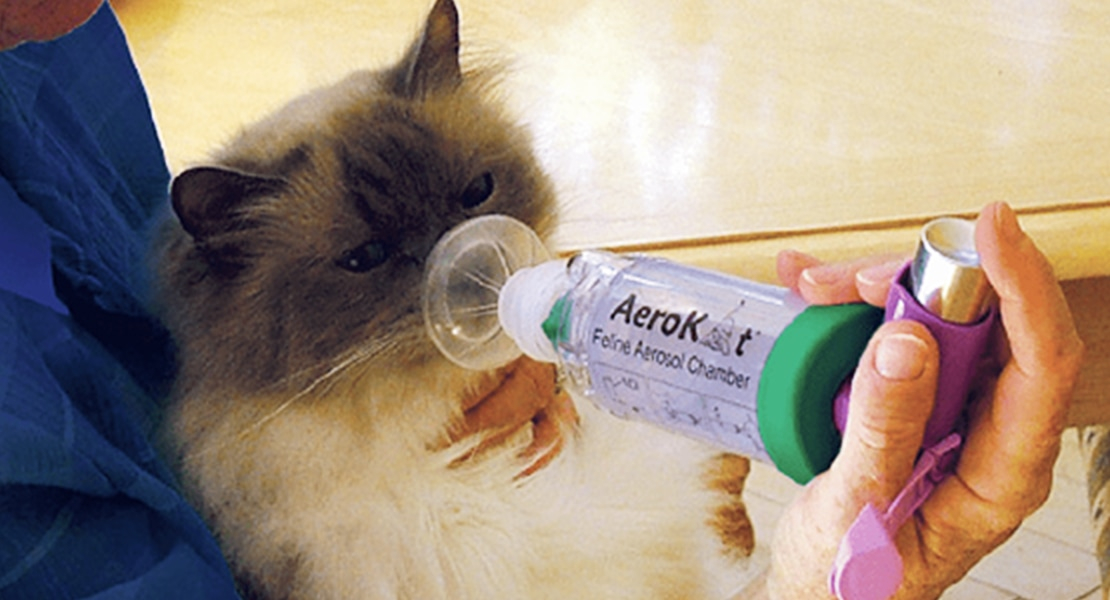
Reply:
x=432, y=63
x=210, y=200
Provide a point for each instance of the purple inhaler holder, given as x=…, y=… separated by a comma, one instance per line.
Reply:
x=961, y=347
x=868, y=566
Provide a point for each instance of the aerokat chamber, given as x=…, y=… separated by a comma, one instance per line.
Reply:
x=746, y=366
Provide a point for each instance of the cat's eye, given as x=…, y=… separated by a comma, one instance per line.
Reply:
x=365, y=257
x=477, y=191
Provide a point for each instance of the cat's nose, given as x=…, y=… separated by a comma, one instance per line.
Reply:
x=420, y=244
x=418, y=247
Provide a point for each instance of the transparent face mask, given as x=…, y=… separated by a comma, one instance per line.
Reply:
x=462, y=283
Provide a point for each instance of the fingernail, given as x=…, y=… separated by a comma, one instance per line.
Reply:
x=878, y=274
x=901, y=357
x=822, y=275
x=1007, y=223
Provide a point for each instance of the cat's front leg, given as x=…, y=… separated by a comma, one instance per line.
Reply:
x=522, y=395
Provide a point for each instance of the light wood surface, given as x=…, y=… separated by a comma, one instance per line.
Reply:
x=682, y=122
x=721, y=132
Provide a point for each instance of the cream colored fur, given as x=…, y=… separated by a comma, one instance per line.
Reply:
x=350, y=481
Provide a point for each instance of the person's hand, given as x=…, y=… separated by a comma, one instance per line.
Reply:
x=1005, y=470
x=521, y=394
x=41, y=20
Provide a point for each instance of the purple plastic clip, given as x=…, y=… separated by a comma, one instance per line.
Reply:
x=868, y=566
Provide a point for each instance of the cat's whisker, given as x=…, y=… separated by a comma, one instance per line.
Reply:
x=480, y=310
x=353, y=357
x=504, y=260
x=483, y=280
x=357, y=356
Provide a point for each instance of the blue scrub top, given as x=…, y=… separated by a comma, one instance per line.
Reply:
x=87, y=510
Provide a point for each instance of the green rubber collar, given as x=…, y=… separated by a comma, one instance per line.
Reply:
x=808, y=364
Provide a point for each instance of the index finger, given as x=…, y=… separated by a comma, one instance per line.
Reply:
x=1035, y=387
x=865, y=279
x=1005, y=470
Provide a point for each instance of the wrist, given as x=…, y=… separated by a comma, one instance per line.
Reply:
x=780, y=587
x=801, y=555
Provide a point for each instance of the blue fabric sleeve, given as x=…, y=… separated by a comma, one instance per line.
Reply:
x=87, y=510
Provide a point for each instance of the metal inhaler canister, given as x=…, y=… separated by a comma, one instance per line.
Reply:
x=945, y=289
x=945, y=276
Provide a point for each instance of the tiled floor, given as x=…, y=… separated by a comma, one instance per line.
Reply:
x=1050, y=558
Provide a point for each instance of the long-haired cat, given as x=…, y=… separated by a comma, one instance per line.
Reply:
x=311, y=410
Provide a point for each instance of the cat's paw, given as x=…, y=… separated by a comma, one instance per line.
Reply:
x=520, y=401
x=550, y=426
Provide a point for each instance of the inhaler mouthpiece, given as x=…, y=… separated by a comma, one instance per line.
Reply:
x=526, y=302
x=462, y=285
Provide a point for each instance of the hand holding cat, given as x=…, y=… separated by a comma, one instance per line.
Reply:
x=1005, y=470
x=525, y=395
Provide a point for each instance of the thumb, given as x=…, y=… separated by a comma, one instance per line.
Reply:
x=892, y=396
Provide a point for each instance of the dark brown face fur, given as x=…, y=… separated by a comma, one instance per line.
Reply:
x=305, y=243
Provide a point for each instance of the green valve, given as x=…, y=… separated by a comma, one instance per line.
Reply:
x=557, y=324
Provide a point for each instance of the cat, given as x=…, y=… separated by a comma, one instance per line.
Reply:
x=310, y=409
